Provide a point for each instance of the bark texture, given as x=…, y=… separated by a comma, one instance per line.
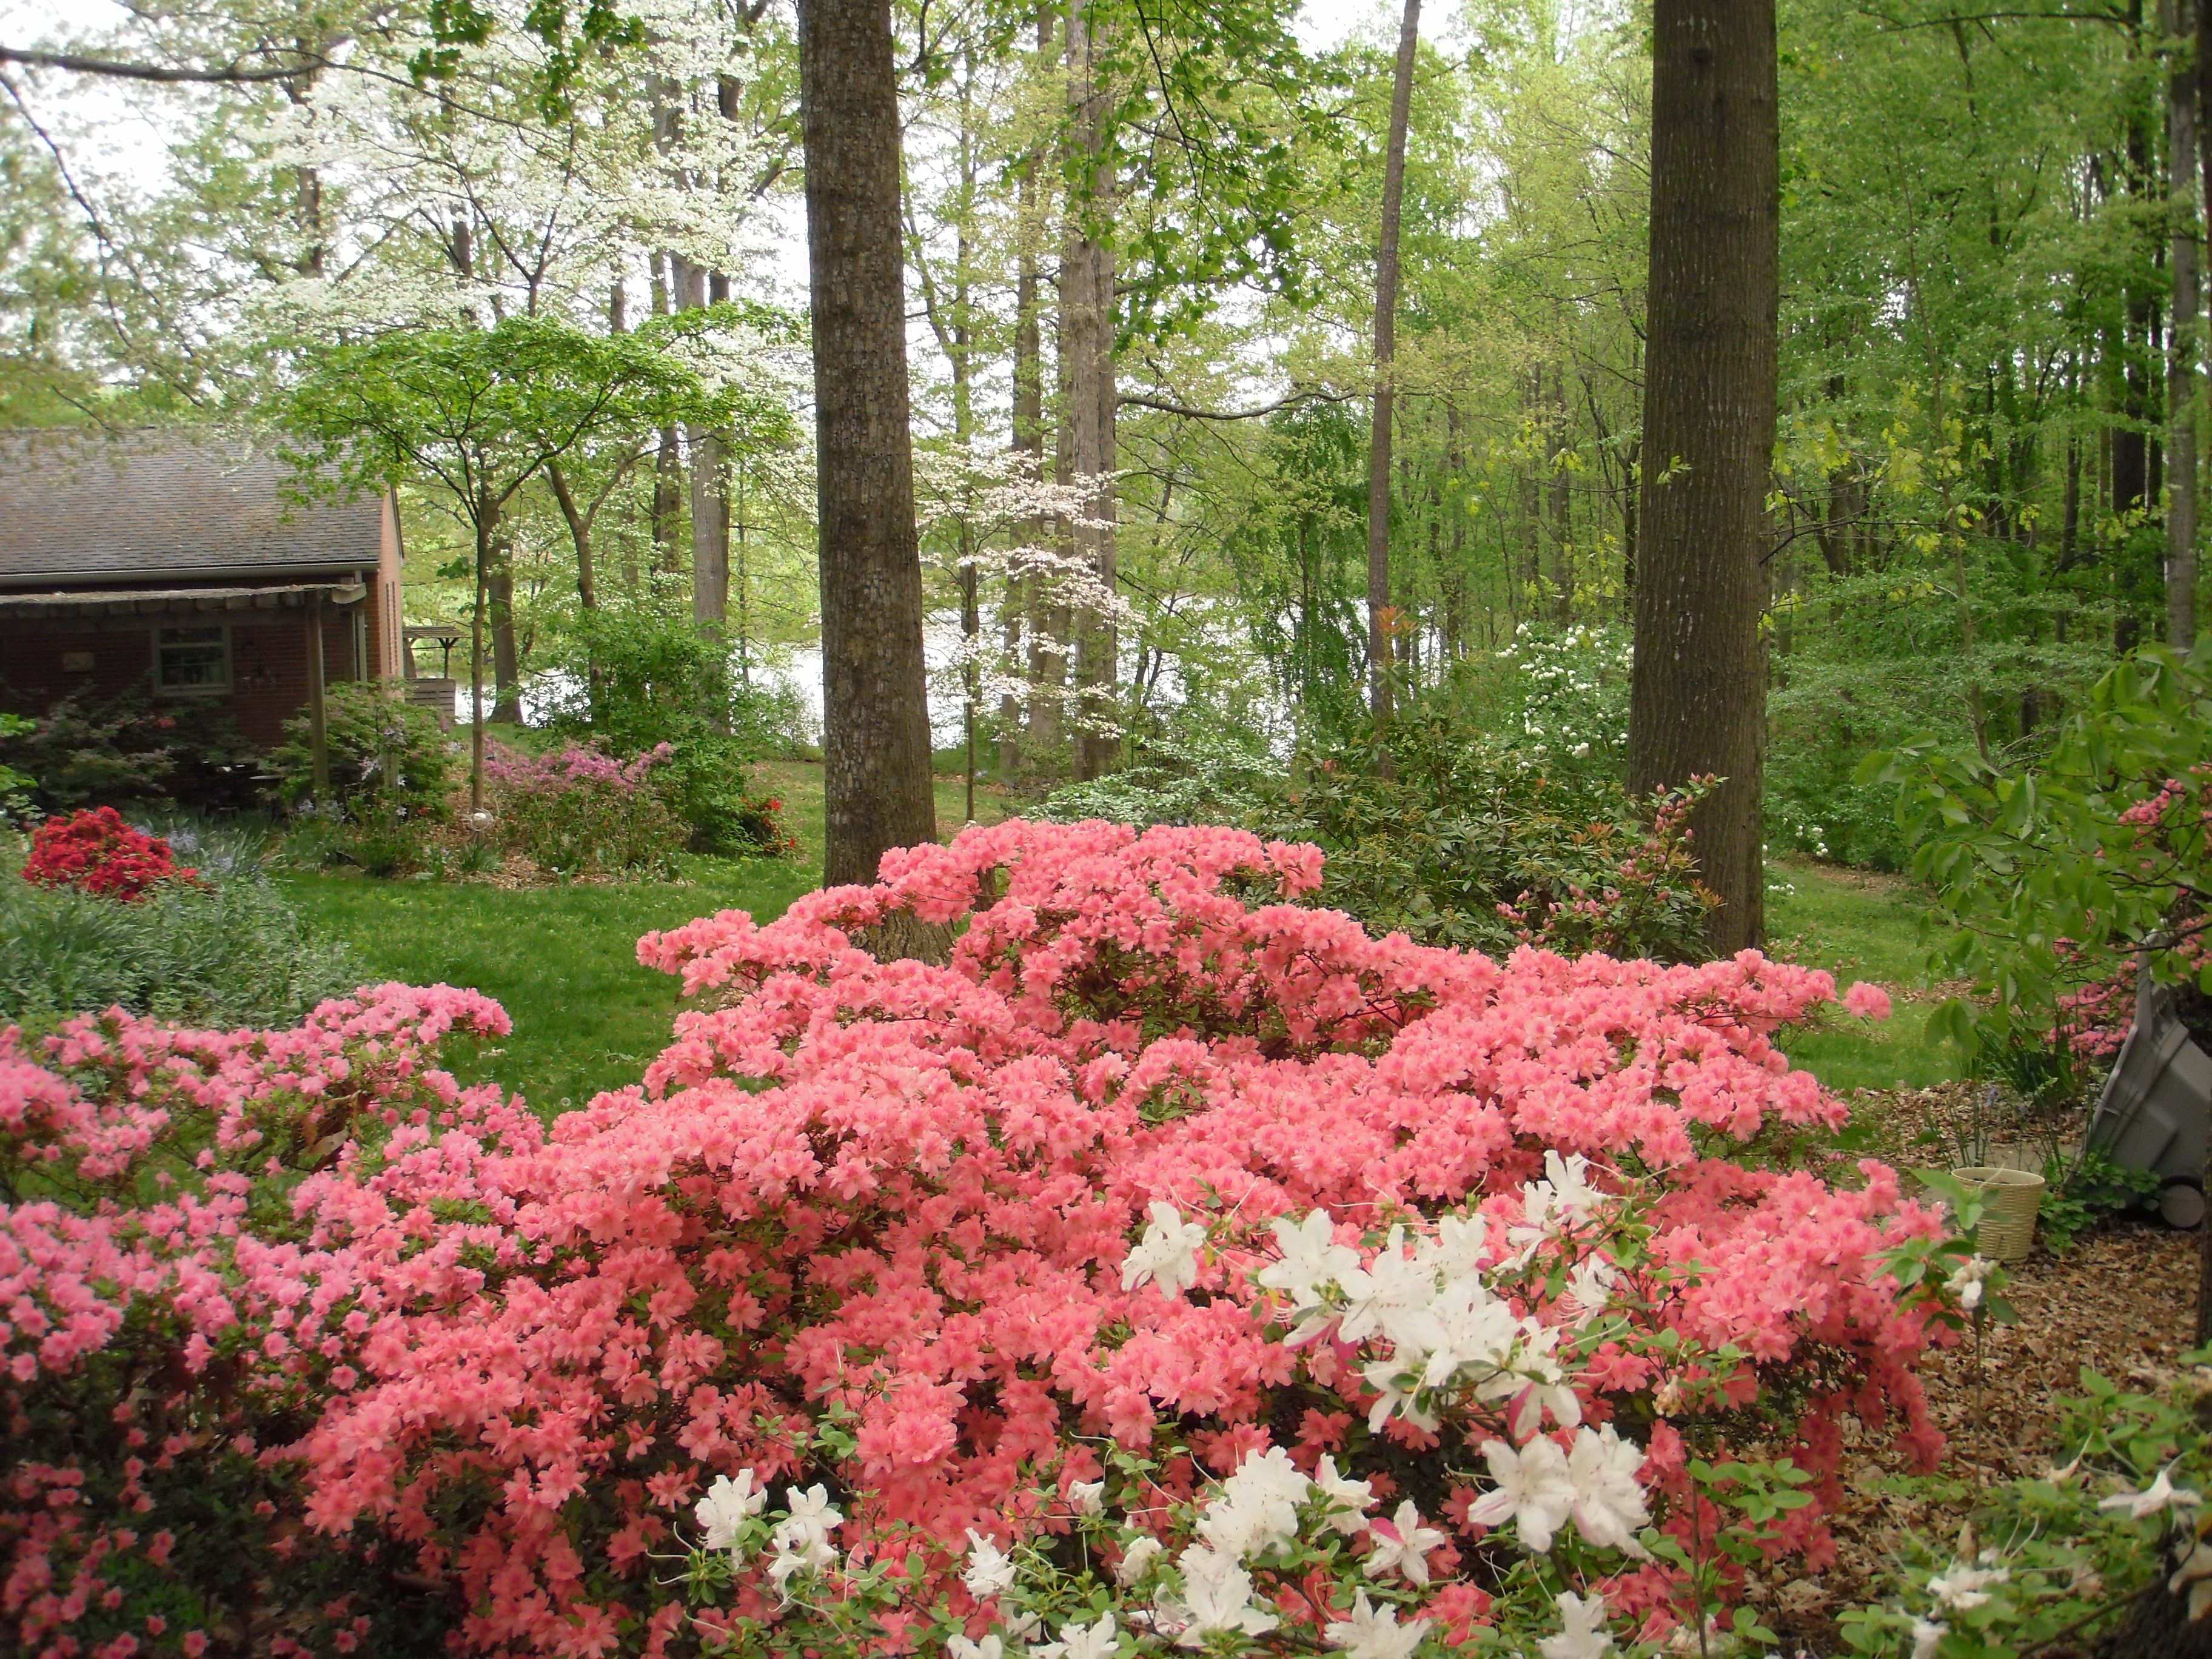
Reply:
x=1086, y=343
x=876, y=706
x=2183, y=262
x=1698, y=702
x=1379, y=615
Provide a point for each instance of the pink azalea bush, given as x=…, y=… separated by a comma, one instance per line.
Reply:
x=577, y=810
x=167, y=1326
x=1174, y=1252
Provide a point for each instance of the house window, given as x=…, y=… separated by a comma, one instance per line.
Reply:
x=191, y=658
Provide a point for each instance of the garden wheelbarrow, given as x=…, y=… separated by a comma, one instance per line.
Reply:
x=2155, y=1106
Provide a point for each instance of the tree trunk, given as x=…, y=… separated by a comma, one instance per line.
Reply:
x=1386, y=346
x=877, y=785
x=1086, y=282
x=580, y=532
x=1699, y=691
x=1028, y=437
x=506, y=657
x=1563, y=545
x=2181, y=346
x=486, y=520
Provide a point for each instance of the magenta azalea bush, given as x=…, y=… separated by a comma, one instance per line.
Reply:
x=1177, y=1266
x=579, y=811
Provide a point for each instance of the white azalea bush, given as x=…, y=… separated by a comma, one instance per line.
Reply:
x=1463, y=1356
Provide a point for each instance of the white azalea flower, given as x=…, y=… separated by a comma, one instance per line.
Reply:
x=1311, y=1258
x=1097, y=1641
x=989, y=1571
x=1217, y=1596
x=809, y=1513
x=1391, y=1294
x=1348, y=1499
x=1583, y=1634
x=1137, y=1560
x=810, y=1552
x=1565, y=1192
x=1966, y=1284
x=728, y=1504
x=989, y=1647
x=1608, y=1507
x=1167, y=1255
x=1402, y=1546
x=2195, y=1575
x=1926, y=1633
x=1087, y=1497
x=1589, y=1286
x=1256, y=1509
x=1961, y=1587
x=1535, y=1490
x=2162, y=1493
x=1371, y=1633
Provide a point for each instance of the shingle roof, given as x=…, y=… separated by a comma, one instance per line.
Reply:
x=159, y=503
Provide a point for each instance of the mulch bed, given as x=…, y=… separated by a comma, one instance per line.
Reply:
x=2122, y=1302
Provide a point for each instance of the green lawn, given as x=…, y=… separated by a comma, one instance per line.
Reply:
x=1858, y=926
x=561, y=960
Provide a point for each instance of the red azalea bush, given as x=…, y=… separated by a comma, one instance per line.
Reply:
x=1163, y=1173
x=96, y=850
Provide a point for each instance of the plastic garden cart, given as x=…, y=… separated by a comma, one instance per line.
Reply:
x=2156, y=1104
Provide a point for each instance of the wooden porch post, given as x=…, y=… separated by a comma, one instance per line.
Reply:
x=319, y=737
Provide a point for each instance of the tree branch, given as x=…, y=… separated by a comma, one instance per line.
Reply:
x=1131, y=400
x=228, y=74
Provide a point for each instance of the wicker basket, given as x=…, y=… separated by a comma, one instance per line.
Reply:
x=2010, y=1200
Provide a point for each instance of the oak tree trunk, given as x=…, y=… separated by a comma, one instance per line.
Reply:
x=1697, y=698
x=1386, y=346
x=876, y=780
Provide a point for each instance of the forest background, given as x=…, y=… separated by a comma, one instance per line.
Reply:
x=1969, y=500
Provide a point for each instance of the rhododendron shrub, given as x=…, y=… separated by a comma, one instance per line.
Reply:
x=1163, y=1173
x=97, y=851
x=167, y=1326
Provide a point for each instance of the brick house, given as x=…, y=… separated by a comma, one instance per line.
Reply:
x=170, y=559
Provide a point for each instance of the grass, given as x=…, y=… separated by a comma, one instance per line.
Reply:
x=1858, y=926
x=799, y=784
x=561, y=960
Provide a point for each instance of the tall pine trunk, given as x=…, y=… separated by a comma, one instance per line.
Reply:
x=1697, y=699
x=1386, y=346
x=877, y=784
